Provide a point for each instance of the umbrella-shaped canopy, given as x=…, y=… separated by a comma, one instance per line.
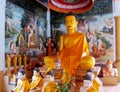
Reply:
x=75, y=6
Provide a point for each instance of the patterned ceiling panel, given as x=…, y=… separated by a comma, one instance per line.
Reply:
x=75, y=6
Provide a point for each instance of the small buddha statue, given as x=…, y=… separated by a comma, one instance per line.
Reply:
x=96, y=82
x=15, y=62
x=8, y=60
x=49, y=46
x=22, y=83
x=49, y=84
x=109, y=70
x=25, y=61
x=88, y=85
x=37, y=81
x=19, y=60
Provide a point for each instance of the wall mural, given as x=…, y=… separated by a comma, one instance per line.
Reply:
x=24, y=29
x=25, y=34
x=99, y=33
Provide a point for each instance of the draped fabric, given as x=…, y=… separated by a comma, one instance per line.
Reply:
x=75, y=6
x=51, y=87
x=72, y=52
x=37, y=82
x=92, y=89
x=22, y=86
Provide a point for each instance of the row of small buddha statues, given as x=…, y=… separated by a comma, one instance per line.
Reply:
x=15, y=60
x=47, y=83
x=38, y=84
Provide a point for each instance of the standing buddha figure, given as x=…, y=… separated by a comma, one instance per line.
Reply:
x=15, y=63
x=49, y=47
x=8, y=60
x=19, y=60
x=25, y=61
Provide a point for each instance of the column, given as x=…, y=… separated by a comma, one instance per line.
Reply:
x=2, y=43
x=116, y=14
x=48, y=23
x=117, y=27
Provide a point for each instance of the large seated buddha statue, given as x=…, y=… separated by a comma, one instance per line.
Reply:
x=73, y=48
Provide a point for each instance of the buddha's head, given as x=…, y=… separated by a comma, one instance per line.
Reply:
x=36, y=72
x=21, y=74
x=49, y=76
x=71, y=22
x=87, y=81
x=90, y=72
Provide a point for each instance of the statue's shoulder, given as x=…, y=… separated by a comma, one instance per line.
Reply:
x=62, y=36
x=80, y=34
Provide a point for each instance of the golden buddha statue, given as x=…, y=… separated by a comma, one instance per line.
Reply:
x=15, y=63
x=25, y=61
x=8, y=60
x=22, y=83
x=73, y=48
x=37, y=81
x=21, y=44
x=19, y=60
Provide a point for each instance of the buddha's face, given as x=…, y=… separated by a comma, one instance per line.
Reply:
x=70, y=22
x=36, y=73
x=21, y=76
x=90, y=74
x=48, y=78
x=87, y=83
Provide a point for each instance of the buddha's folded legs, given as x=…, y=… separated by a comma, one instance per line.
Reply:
x=87, y=62
x=49, y=62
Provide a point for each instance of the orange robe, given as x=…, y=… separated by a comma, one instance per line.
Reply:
x=92, y=89
x=22, y=86
x=37, y=83
x=51, y=87
x=72, y=52
x=96, y=85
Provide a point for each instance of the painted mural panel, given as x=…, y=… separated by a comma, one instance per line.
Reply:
x=24, y=29
x=100, y=36
x=99, y=31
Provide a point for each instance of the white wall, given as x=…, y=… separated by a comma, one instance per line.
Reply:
x=116, y=7
x=2, y=34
